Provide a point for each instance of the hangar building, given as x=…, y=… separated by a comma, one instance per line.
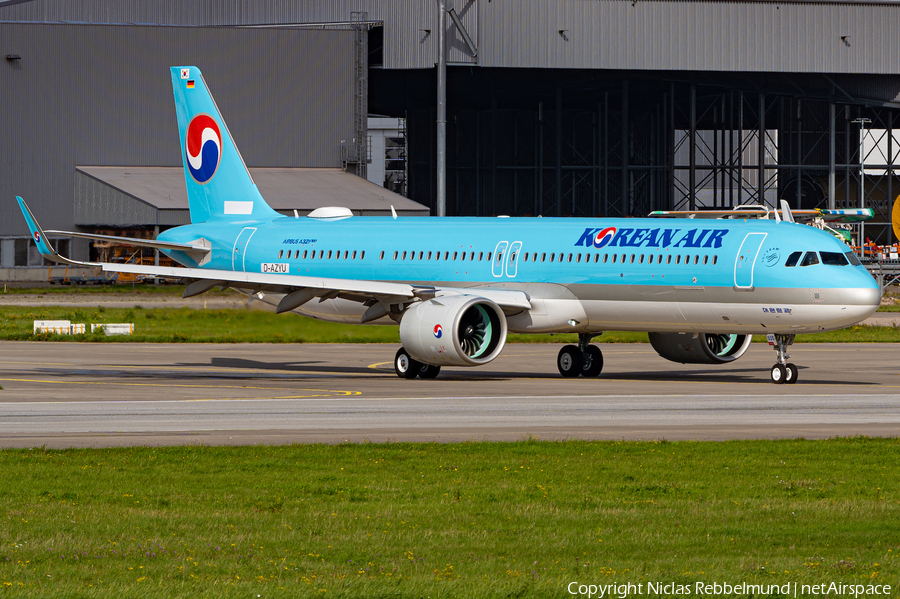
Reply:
x=554, y=107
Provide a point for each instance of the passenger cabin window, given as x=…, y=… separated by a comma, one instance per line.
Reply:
x=809, y=259
x=793, y=259
x=833, y=258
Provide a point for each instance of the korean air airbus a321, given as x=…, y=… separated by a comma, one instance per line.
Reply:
x=457, y=286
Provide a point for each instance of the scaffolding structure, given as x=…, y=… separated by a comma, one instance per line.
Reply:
x=608, y=145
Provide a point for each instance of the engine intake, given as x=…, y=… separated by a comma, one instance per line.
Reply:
x=700, y=348
x=459, y=330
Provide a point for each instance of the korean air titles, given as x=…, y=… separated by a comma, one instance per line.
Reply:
x=651, y=238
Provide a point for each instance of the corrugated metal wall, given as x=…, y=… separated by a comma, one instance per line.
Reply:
x=597, y=34
x=699, y=35
x=102, y=95
x=102, y=205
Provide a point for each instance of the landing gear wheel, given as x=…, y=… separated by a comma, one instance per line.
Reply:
x=405, y=366
x=593, y=361
x=791, y=373
x=427, y=371
x=570, y=361
x=779, y=374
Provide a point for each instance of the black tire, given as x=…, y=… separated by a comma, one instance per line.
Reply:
x=569, y=361
x=593, y=362
x=427, y=371
x=791, y=373
x=779, y=374
x=405, y=366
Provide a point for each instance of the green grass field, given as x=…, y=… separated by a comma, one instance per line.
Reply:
x=154, y=325
x=446, y=520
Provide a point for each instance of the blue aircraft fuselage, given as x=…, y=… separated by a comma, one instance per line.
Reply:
x=674, y=263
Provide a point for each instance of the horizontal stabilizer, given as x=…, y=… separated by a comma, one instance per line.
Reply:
x=201, y=246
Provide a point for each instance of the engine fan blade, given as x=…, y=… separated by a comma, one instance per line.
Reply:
x=474, y=331
x=716, y=342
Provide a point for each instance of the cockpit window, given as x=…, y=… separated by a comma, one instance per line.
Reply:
x=793, y=259
x=833, y=258
x=809, y=259
x=853, y=259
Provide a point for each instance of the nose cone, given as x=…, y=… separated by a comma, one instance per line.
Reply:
x=863, y=300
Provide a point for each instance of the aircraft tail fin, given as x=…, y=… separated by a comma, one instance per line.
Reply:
x=218, y=182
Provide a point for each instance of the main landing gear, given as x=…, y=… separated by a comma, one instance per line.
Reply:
x=583, y=359
x=783, y=371
x=408, y=368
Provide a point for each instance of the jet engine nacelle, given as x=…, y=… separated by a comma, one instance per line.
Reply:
x=458, y=330
x=700, y=348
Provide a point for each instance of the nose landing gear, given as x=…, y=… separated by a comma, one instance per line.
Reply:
x=583, y=359
x=783, y=371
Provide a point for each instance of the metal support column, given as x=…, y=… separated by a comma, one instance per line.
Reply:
x=478, y=144
x=692, y=149
x=625, y=150
x=361, y=91
x=740, y=151
x=605, y=153
x=442, y=111
x=494, y=148
x=558, y=195
x=731, y=160
x=595, y=209
x=890, y=172
x=761, y=193
x=832, y=140
x=670, y=154
x=539, y=189
x=798, y=152
x=715, y=158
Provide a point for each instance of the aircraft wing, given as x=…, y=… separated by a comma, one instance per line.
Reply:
x=301, y=289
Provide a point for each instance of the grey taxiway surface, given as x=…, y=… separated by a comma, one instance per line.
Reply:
x=80, y=394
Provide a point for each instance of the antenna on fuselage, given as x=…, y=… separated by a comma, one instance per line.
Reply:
x=393, y=212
